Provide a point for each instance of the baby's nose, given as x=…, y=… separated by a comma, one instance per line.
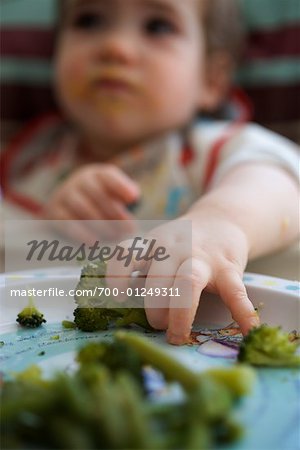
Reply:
x=118, y=47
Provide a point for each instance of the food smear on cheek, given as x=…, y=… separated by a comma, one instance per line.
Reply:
x=76, y=89
x=76, y=85
x=80, y=90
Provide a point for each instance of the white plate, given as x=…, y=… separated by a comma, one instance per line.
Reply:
x=271, y=414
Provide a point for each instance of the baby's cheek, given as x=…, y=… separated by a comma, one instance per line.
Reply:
x=177, y=99
x=73, y=79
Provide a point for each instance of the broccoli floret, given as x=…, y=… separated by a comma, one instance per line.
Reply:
x=94, y=270
x=92, y=277
x=30, y=316
x=115, y=356
x=268, y=346
x=98, y=319
x=96, y=312
x=90, y=319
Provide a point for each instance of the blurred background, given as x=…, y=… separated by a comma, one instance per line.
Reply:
x=269, y=72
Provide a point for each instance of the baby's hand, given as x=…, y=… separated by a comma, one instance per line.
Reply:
x=93, y=192
x=214, y=260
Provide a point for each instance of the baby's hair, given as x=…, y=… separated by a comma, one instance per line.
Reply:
x=223, y=27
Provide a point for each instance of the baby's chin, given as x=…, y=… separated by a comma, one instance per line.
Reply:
x=128, y=132
x=116, y=125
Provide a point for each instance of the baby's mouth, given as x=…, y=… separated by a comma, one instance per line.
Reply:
x=112, y=85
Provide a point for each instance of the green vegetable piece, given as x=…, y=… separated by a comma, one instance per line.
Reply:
x=95, y=269
x=67, y=436
x=115, y=356
x=157, y=357
x=228, y=430
x=238, y=379
x=33, y=373
x=137, y=426
x=268, y=346
x=210, y=400
x=30, y=316
x=92, y=277
x=102, y=311
x=134, y=316
x=90, y=319
x=199, y=435
x=68, y=324
x=56, y=337
x=113, y=417
x=102, y=403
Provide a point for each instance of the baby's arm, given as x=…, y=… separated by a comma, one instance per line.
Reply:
x=251, y=211
x=262, y=199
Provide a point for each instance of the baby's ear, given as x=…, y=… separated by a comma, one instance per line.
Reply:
x=218, y=80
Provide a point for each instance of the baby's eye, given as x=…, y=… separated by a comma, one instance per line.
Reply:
x=88, y=21
x=159, y=26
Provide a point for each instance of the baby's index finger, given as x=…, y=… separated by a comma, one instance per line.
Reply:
x=122, y=186
x=233, y=293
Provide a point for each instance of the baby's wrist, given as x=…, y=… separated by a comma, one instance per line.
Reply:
x=211, y=218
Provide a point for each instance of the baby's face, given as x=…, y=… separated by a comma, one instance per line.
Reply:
x=128, y=70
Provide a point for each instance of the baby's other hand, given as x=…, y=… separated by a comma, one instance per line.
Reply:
x=93, y=192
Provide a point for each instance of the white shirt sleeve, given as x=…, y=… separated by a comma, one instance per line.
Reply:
x=253, y=143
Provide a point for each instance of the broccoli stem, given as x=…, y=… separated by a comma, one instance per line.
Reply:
x=157, y=357
x=134, y=412
x=238, y=379
x=30, y=316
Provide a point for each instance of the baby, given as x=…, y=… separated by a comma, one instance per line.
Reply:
x=131, y=76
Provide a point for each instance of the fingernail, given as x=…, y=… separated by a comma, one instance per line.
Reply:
x=177, y=339
x=253, y=323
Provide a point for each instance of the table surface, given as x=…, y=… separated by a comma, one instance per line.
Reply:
x=283, y=264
